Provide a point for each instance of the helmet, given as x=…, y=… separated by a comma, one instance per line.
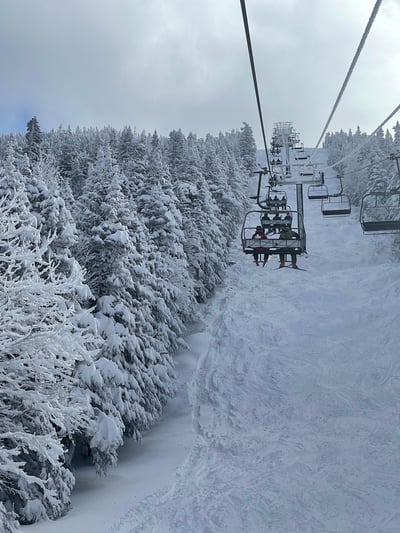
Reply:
x=258, y=228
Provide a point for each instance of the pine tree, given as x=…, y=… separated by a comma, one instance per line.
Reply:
x=34, y=139
x=176, y=154
x=205, y=245
x=157, y=207
x=223, y=177
x=112, y=245
x=126, y=150
x=39, y=349
x=396, y=138
x=248, y=148
x=46, y=210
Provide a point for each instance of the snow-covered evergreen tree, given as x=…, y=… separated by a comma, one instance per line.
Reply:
x=40, y=347
x=248, y=148
x=126, y=151
x=140, y=375
x=396, y=137
x=33, y=139
x=367, y=168
x=205, y=244
x=158, y=208
x=11, y=178
x=224, y=179
x=152, y=239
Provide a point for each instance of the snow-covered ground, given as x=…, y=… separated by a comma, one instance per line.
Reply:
x=290, y=420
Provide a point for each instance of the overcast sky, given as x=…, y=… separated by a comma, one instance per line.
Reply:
x=169, y=64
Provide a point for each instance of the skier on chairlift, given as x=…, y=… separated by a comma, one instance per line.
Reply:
x=288, y=234
x=259, y=234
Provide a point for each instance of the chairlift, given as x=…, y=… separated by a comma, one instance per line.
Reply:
x=304, y=178
x=273, y=181
x=278, y=201
x=274, y=221
x=272, y=246
x=308, y=172
x=299, y=148
x=317, y=192
x=268, y=201
x=380, y=212
x=336, y=205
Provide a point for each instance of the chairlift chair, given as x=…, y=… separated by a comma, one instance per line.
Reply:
x=380, y=212
x=317, y=192
x=272, y=246
x=307, y=172
x=299, y=148
x=272, y=224
x=276, y=204
x=336, y=206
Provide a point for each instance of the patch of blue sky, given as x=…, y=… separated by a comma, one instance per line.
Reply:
x=15, y=122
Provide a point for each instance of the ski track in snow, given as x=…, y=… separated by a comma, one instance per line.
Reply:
x=296, y=402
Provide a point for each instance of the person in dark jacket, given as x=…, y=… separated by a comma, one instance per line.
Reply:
x=288, y=219
x=271, y=180
x=266, y=223
x=288, y=234
x=275, y=227
x=259, y=234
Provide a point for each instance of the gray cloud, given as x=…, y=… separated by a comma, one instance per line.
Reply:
x=167, y=64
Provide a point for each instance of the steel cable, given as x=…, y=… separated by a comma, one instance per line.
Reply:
x=253, y=71
x=350, y=71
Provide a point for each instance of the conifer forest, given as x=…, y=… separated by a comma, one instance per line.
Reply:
x=110, y=241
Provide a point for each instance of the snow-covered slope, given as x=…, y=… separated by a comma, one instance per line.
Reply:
x=295, y=399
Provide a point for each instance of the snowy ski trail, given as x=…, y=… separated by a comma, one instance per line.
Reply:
x=296, y=401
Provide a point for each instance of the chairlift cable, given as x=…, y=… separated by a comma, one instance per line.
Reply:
x=253, y=70
x=367, y=140
x=350, y=71
x=368, y=166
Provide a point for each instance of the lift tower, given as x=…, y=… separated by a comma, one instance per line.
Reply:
x=284, y=137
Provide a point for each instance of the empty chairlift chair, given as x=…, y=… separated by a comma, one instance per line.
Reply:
x=317, y=192
x=336, y=206
x=307, y=171
x=380, y=212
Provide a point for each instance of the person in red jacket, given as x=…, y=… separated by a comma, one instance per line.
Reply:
x=259, y=234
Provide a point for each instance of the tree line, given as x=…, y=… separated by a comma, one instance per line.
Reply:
x=369, y=168
x=109, y=240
